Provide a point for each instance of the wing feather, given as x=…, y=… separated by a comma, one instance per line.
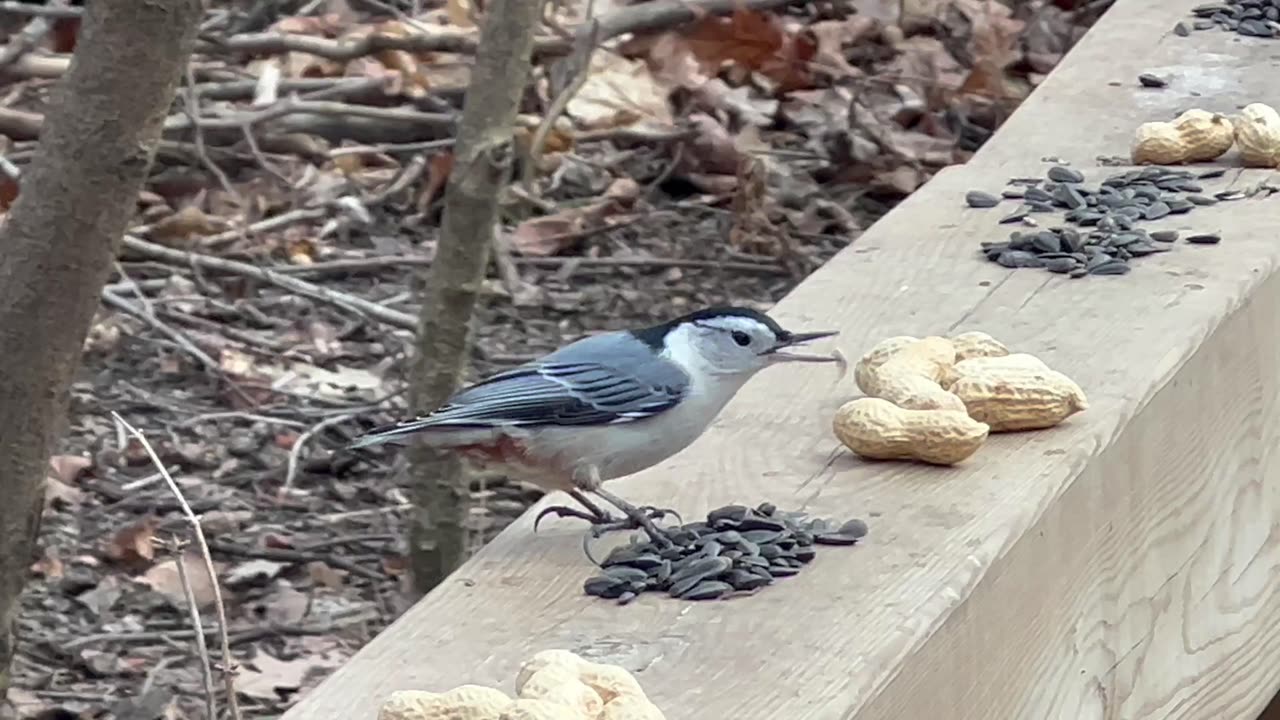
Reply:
x=550, y=393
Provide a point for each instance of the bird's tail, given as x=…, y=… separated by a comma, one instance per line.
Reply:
x=393, y=433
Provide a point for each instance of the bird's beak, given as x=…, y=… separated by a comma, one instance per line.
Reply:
x=775, y=354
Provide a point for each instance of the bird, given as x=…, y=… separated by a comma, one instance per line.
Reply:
x=606, y=406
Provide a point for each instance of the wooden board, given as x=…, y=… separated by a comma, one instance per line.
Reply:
x=1123, y=565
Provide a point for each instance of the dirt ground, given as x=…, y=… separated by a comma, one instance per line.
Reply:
x=246, y=387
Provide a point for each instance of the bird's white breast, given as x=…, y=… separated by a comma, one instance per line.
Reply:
x=625, y=448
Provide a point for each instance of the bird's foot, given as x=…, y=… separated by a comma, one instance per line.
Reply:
x=564, y=511
x=636, y=518
x=602, y=522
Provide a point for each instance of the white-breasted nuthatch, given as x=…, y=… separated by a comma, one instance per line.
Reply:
x=606, y=406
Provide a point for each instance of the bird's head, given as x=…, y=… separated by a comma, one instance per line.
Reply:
x=729, y=341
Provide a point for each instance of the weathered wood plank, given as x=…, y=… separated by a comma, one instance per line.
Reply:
x=1120, y=566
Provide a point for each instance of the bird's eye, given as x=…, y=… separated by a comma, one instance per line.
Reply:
x=741, y=338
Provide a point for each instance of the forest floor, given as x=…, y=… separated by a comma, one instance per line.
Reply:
x=712, y=160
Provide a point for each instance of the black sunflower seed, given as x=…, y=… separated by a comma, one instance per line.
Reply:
x=1061, y=174
x=1111, y=268
x=979, y=199
x=1204, y=239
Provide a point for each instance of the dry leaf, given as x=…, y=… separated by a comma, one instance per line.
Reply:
x=63, y=35
x=438, y=169
x=68, y=468
x=178, y=229
x=459, y=13
x=49, y=566
x=341, y=383
x=221, y=522
x=8, y=191
x=133, y=543
x=752, y=232
x=267, y=678
x=102, y=598
x=554, y=233
x=619, y=92
x=756, y=41
x=285, y=606
x=321, y=573
x=253, y=572
x=395, y=565
x=165, y=579
x=58, y=494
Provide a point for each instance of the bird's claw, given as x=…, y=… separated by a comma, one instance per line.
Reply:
x=657, y=513
x=650, y=528
x=563, y=511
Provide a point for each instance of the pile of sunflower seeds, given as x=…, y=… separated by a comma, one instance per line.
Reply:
x=1254, y=18
x=1104, y=237
x=736, y=550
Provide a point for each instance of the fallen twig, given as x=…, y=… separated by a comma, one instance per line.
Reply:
x=645, y=17
x=193, y=608
x=52, y=10
x=349, y=302
x=285, y=555
x=26, y=38
x=236, y=636
x=585, y=43
x=228, y=667
x=294, y=106
x=295, y=452
x=392, y=148
x=374, y=264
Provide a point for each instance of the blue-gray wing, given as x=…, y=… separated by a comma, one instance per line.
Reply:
x=598, y=381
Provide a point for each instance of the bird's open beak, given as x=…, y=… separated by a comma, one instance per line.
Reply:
x=776, y=353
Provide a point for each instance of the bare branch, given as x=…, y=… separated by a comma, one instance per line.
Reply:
x=348, y=302
x=228, y=666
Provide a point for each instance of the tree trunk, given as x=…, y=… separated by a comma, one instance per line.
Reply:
x=482, y=163
x=58, y=241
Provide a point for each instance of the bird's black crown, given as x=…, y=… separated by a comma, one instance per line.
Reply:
x=655, y=335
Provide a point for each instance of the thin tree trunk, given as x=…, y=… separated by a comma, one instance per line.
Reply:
x=482, y=163
x=58, y=240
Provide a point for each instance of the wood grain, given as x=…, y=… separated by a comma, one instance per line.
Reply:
x=1121, y=566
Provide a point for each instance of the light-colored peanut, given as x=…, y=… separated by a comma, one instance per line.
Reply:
x=631, y=707
x=878, y=429
x=997, y=364
x=1194, y=136
x=909, y=377
x=543, y=658
x=977, y=344
x=560, y=684
x=1258, y=136
x=531, y=709
x=1019, y=398
x=877, y=356
x=465, y=702
x=609, y=681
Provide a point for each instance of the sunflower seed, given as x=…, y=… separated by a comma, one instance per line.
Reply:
x=1038, y=194
x=1060, y=265
x=1111, y=268
x=979, y=199
x=744, y=580
x=835, y=538
x=604, y=586
x=1061, y=174
x=1152, y=81
x=1204, y=239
